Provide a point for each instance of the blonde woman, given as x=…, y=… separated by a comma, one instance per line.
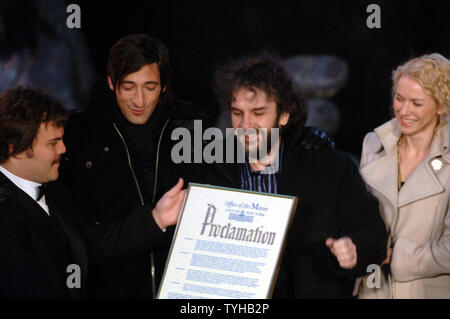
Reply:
x=406, y=165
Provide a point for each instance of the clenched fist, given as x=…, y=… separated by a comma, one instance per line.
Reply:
x=344, y=250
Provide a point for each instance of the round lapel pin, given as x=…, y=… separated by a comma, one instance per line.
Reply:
x=436, y=164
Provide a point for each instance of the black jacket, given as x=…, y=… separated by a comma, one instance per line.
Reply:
x=333, y=202
x=100, y=170
x=36, y=249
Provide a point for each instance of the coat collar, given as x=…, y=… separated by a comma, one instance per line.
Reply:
x=423, y=181
x=382, y=174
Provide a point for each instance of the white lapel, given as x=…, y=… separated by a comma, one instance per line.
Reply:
x=381, y=173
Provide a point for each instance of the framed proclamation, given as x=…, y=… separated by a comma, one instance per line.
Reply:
x=228, y=244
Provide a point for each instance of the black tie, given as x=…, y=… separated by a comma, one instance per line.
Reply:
x=41, y=191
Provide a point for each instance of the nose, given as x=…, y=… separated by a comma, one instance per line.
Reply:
x=138, y=98
x=62, y=148
x=404, y=108
x=245, y=122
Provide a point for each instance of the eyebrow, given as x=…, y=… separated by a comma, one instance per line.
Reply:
x=256, y=109
x=261, y=108
x=422, y=100
x=55, y=139
x=131, y=82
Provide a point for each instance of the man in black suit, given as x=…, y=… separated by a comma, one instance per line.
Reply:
x=119, y=156
x=43, y=249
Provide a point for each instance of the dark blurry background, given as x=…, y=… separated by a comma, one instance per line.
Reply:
x=202, y=33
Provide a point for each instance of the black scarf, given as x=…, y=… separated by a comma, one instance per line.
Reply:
x=142, y=141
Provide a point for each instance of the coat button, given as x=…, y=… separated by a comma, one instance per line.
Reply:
x=97, y=223
x=89, y=164
x=106, y=149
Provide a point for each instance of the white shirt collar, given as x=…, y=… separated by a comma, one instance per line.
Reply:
x=29, y=187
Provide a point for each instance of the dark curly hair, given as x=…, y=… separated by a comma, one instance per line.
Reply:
x=22, y=110
x=130, y=53
x=266, y=72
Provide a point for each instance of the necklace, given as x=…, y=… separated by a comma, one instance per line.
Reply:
x=400, y=140
x=399, y=185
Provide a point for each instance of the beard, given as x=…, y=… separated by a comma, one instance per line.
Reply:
x=264, y=144
x=265, y=141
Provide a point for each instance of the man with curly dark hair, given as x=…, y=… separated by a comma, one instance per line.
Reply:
x=337, y=230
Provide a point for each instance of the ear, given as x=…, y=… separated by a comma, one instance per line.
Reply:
x=284, y=118
x=164, y=89
x=111, y=86
x=10, y=149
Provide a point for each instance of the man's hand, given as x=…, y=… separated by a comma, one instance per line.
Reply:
x=168, y=208
x=344, y=250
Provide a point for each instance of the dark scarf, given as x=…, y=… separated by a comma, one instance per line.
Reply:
x=140, y=136
x=142, y=143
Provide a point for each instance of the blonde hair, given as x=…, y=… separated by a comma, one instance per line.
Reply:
x=432, y=72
